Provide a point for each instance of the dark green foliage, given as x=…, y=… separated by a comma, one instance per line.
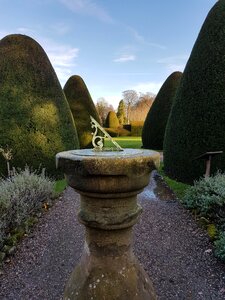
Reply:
x=112, y=120
x=35, y=119
x=136, y=128
x=121, y=112
x=197, y=121
x=82, y=108
x=220, y=246
x=156, y=119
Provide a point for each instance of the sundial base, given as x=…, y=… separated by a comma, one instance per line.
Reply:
x=108, y=184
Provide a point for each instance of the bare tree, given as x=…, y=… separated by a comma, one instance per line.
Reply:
x=103, y=108
x=141, y=108
x=147, y=98
x=130, y=97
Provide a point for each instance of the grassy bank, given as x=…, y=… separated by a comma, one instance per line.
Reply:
x=126, y=142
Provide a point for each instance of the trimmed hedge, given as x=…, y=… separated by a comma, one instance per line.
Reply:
x=121, y=112
x=82, y=108
x=136, y=128
x=156, y=119
x=35, y=119
x=112, y=120
x=196, y=123
x=119, y=131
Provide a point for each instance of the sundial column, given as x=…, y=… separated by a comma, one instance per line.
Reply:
x=108, y=187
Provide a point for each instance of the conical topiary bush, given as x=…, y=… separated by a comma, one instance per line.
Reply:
x=197, y=120
x=82, y=108
x=121, y=112
x=156, y=119
x=35, y=119
x=112, y=120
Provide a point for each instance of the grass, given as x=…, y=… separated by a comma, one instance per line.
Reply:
x=60, y=186
x=179, y=188
x=126, y=142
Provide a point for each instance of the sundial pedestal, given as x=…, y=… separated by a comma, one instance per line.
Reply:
x=108, y=185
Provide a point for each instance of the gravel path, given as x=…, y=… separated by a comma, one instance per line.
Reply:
x=173, y=250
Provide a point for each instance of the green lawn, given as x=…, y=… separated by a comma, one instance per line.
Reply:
x=60, y=186
x=179, y=188
x=126, y=142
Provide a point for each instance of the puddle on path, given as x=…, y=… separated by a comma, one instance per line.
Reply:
x=157, y=189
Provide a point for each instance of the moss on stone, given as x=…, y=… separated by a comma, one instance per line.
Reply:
x=35, y=119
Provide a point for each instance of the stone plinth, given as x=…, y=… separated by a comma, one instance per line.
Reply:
x=108, y=184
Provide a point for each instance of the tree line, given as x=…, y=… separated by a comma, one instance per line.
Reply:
x=132, y=107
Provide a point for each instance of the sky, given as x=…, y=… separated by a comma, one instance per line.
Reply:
x=114, y=45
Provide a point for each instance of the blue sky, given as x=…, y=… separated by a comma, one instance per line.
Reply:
x=114, y=45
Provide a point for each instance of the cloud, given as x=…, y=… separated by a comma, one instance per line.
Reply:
x=140, y=39
x=60, y=28
x=145, y=87
x=125, y=58
x=62, y=57
x=88, y=7
x=174, y=63
x=25, y=30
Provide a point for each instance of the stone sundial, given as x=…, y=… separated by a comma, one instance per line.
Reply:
x=108, y=183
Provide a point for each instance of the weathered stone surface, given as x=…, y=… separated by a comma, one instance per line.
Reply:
x=108, y=183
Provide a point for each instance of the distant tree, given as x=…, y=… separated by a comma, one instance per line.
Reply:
x=112, y=120
x=103, y=108
x=35, y=118
x=130, y=97
x=121, y=112
x=82, y=107
x=140, y=109
x=196, y=122
x=155, y=122
x=147, y=98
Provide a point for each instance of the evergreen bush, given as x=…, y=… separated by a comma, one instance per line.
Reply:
x=207, y=197
x=20, y=197
x=35, y=119
x=121, y=112
x=112, y=120
x=115, y=132
x=136, y=128
x=82, y=108
x=220, y=246
x=196, y=122
x=156, y=119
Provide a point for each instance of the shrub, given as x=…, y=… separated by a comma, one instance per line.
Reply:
x=220, y=246
x=136, y=128
x=207, y=197
x=196, y=122
x=121, y=112
x=82, y=108
x=112, y=120
x=21, y=196
x=35, y=119
x=113, y=132
x=156, y=119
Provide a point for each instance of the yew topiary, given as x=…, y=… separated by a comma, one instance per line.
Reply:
x=82, y=108
x=112, y=120
x=156, y=119
x=196, y=123
x=35, y=119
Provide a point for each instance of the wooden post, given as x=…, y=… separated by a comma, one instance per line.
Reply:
x=208, y=158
